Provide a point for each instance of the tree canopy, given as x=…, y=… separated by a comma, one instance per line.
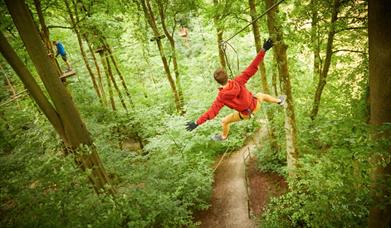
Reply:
x=96, y=135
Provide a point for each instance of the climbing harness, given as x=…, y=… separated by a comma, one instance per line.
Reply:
x=224, y=44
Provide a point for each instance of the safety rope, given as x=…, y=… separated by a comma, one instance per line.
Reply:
x=223, y=47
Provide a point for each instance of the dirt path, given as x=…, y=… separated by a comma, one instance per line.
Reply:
x=230, y=198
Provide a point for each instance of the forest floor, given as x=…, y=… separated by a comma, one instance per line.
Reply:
x=240, y=191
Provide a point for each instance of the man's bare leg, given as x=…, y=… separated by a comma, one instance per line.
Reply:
x=68, y=65
x=267, y=98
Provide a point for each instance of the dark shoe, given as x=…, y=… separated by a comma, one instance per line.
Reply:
x=218, y=137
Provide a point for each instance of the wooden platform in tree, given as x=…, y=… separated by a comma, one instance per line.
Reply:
x=68, y=74
x=23, y=92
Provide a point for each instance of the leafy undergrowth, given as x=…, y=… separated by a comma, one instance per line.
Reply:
x=158, y=186
x=332, y=185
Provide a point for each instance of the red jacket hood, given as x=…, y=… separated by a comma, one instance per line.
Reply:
x=230, y=91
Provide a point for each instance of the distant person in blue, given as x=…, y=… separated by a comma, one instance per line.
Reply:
x=61, y=51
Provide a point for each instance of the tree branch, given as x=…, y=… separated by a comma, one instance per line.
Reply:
x=59, y=26
x=348, y=50
x=351, y=28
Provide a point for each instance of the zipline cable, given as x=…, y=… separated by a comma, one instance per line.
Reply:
x=257, y=18
x=225, y=43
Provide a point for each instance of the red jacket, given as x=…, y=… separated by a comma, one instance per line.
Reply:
x=235, y=94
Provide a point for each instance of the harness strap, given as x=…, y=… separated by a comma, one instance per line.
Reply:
x=248, y=110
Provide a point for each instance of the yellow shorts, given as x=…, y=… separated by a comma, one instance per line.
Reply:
x=237, y=116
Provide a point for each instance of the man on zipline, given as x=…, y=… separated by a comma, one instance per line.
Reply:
x=235, y=95
x=61, y=51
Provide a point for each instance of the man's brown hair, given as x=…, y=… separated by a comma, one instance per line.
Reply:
x=220, y=76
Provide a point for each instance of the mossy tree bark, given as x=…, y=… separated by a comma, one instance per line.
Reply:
x=75, y=135
x=279, y=50
x=262, y=70
x=219, y=34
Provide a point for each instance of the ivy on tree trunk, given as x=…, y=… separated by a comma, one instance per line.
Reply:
x=279, y=50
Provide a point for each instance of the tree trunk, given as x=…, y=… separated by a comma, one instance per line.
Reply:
x=100, y=83
x=274, y=80
x=315, y=38
x=173, y=51
x=45, y=33
x=113, y=80
x=219, y=32
x=8, y=83
x=262, y=70
x=379, y=34
x=327, y=62
x=119, y=73
x=75, y=22
x=279, y=50
x=152, y=22
x=32, y=86
x=105, y=67
x=75, y=132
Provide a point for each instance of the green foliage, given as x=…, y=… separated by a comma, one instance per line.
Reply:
x=41, y=187
x=164, y=182
x=333, y=183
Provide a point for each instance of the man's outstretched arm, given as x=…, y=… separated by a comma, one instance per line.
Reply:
x=208, y=115
x=253, y=67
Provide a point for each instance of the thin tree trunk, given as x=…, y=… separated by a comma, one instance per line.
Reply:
x=379, y=34
x=327, y=62
x=76, y=133
x=219, y=33
x=262, y=70
x=152, y=22
x=258, y=45
x=113, y=80
x=274, y=80
x=279, y=50
x=315, y=39
x=45, y=33
x=105, y=67
x=173, y=51
x=74, y=22
x=100, y=83
x=9, y=83
x=11, y=88
x=123, y=82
